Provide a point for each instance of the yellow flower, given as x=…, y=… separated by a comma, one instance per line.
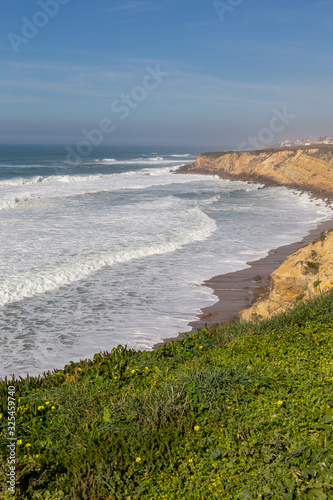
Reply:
x=28, y=445
x=196, y=428
x=47, y=403
x=138, y=459
x=19, y=442
x=200, y=347
x=279, y=403
x=1, y=415
x=146, y=368
x=133, y=371
x=36, y=456
x=52, y=407
x=115, y=378
x=40, y=408
x=190, y=460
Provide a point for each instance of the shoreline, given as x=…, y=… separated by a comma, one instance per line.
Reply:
x=276, y=166
x=238, y=290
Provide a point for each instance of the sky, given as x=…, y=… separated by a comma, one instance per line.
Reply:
x=210, y=74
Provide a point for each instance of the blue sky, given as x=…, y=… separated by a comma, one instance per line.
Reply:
x=68, y=65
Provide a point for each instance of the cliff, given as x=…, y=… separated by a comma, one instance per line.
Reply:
x=308, y=168
x=303, y=275
x=308, y=271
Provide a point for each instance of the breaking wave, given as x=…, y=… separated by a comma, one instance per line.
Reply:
x=197, y=226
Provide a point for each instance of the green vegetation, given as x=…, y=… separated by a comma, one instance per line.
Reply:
x=322, y=237
x=237, y=412
x=325, y=151
x=313, y=266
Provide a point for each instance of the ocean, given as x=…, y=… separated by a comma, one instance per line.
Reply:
x=113, y=250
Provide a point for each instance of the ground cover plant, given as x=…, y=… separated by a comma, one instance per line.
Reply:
x=236, y=412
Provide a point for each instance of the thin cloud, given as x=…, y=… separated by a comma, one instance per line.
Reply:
x=20, y=99
x=97, y=72
x=186, y=83
x=131, y=8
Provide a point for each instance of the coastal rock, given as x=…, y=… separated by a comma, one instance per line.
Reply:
x=308, y=168
x=309, y=271
x=302, y=276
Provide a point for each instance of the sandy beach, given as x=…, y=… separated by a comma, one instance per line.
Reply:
x=238, y=290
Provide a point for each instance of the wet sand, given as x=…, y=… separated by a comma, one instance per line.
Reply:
x=238, y=290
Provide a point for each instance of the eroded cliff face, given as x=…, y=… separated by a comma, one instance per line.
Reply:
x=309, y=271
x=303, y=275
x=305, y=168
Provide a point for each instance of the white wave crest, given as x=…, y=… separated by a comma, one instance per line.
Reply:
x=197, y=227
x=108, y=160
x=181, y=156
x=8, y=203
x=21, y=181
x=75, y=185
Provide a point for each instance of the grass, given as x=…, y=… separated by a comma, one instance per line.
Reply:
x=313, y=266
x=243, y=411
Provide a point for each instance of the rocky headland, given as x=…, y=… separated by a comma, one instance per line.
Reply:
x=308, y=271
x=307, y=168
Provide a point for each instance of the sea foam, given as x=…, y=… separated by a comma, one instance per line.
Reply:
x=196, y=227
